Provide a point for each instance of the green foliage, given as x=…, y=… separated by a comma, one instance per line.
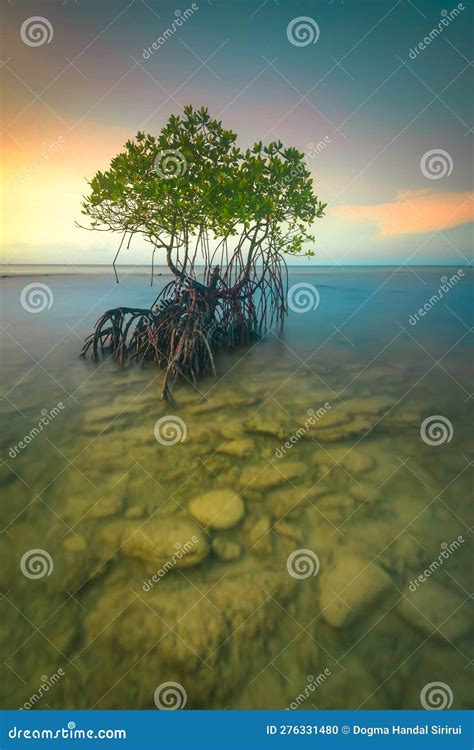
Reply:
x=193, y=178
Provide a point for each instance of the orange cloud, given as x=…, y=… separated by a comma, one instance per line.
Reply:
x=414, y=212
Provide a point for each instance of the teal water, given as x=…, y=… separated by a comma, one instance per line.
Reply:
x=338, y=456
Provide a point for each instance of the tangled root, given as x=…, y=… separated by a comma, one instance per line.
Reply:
x=181, y=332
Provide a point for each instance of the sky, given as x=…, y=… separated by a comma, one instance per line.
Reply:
x=377, y=94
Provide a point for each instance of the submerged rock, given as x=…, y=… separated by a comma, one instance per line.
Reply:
x=197, y=641
x=160, y=541
x=219, y=509
x=74, y=543
x=266, y=477
x=357, y=462
x=225, y=549
x=436, y=610
x=290, y=501
x=79, y=564
x=366, y=492
x=336, y=507
x=259, y=537
x=265, y=427
x=373, y=405
x=237, y=448
x=106, y=506
x=349, y=587
x=288, y=530
x=232, y=402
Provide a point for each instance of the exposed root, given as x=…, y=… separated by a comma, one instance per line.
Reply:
x=191, y=320
x=186, y=325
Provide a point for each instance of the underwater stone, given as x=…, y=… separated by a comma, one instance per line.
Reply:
x=336, y=506
x=430, y=605
x=372, y=405
x=288, y=530
x=106, y=506
x=226, y=550
x=365, y=492
x=74, y=543
x=260, y=539
x=237, y=448
x=357, y=462
x=290, y=500
x=219, y=509
x=349, y=587
x=265, y=427
x=263, y=478
x=178, y=541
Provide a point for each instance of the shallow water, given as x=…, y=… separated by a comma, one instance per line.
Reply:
x=312, y=597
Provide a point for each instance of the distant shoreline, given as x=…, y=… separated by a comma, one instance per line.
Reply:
x=57, y=269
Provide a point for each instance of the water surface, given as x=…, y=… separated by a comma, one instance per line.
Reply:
x=312, y=598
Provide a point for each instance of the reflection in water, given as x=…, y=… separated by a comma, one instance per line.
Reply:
x=292, y=533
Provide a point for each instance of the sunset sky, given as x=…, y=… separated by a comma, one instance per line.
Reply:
x=394, y=127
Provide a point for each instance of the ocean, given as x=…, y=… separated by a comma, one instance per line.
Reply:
x=290, y=533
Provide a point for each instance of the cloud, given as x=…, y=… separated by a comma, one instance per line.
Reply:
x=414, y=212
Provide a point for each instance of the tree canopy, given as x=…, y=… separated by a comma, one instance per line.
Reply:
x=193, y=180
